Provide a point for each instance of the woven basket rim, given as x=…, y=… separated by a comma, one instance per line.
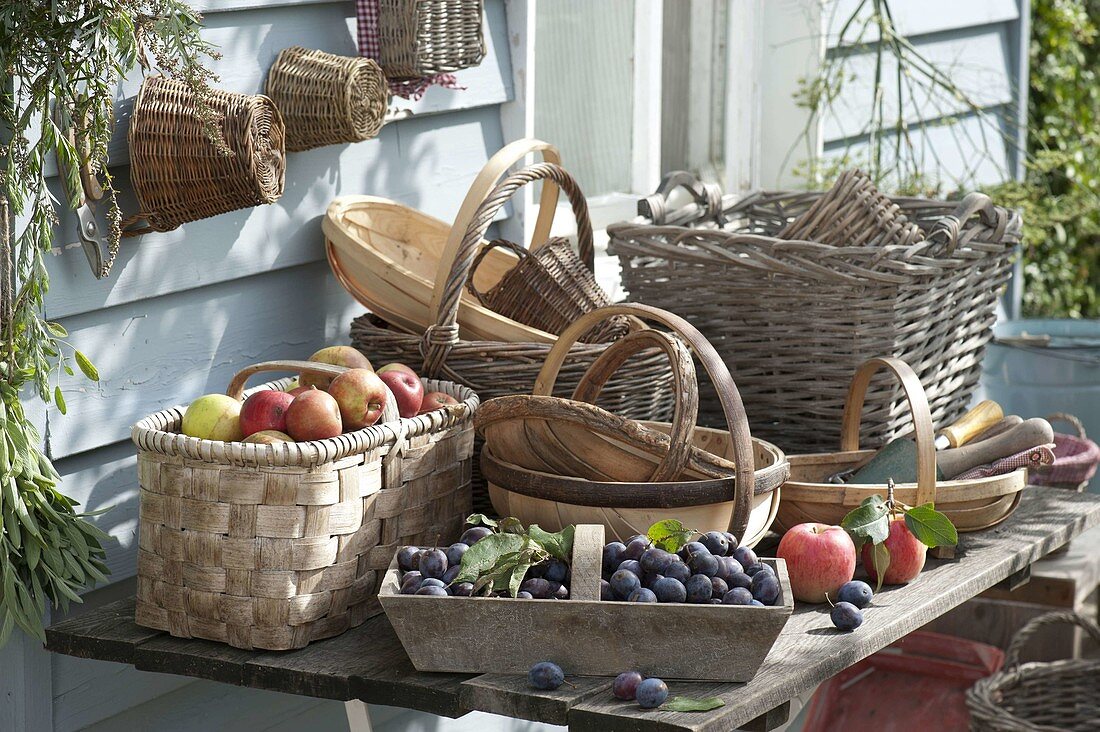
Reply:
x=311, y=453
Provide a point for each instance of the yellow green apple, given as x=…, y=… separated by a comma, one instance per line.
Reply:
x=213, y=417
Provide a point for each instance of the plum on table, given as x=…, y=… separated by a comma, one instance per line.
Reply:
x=626, y=685
x=651, y=693
x=846, y=616
x=545, y=676
x=855, y=592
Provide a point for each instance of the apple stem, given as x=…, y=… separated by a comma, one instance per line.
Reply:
x=829, y=600
x=891, y=504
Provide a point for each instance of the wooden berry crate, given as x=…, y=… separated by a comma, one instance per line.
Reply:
x=584, y=635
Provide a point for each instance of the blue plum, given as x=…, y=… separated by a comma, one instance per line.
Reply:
x=613, y=556
x=737, y=596
x=670, y=590
x=716, y=543
x=433, y=563
x=408, y=558
x=623, y=582
x=455, y=552
x=642, y=594
x=856, y=592
x=699, y=589
x=651, y=693
x=626, y=685
x=765, y=587
x=545, y=676
x=846, y=616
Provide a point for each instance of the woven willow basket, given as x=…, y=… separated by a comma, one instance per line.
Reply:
x=794, y=319
x=327, y=99
x=179, y=175
x=1039, y=697
x=420, y=38
x=275, y=546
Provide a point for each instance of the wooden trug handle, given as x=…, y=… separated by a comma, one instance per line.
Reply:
x=1030, y=433
x=984, y=415
x=587, y=566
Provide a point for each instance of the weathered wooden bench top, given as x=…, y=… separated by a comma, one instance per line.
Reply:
x=368, y=663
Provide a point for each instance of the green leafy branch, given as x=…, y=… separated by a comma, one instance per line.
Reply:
x=501, y=560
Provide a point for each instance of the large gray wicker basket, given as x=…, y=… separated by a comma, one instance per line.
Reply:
x=794, y=319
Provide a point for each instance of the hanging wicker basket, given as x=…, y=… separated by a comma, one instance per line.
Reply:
x=327, y=99
x=420, y=38
x=178, y=173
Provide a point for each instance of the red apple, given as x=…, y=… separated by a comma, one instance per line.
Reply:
x=314, y=415
x=820, y=558
x=265, y=410
x=361, y=395
x=300, y=390
x=434, y=400
x=907, y=555
x=406, y=386
x=337, y=355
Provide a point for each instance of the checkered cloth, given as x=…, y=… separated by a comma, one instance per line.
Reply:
x=370, y=47
x=1035, y=456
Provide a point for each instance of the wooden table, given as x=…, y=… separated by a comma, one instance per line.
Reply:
x=368, y=663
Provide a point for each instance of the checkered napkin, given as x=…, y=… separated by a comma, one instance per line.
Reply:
x=370, y=47
x=1041, y=455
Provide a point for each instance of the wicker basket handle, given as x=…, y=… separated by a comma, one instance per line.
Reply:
x=1069, y=419
x=732, y=406
x=947, y=230
x=1012, y=656
x=707, y=195
x=516, y=249
x=439, y=337
x=918, y=407
x=236, y=384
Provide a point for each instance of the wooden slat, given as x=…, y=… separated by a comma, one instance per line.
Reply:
x=921, y=17
x=510, y=696
x=108, y=633
x=193, y=657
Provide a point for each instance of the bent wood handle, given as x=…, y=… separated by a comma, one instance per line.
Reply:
x=1070, y=419
x=586, y=568
x=236, y=385
x=485, y=181
x=732, y=406
x=986, y=414
x=1030, y=433
x=918, y=408
x=685, y=410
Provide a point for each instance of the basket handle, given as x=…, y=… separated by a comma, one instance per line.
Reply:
x=516, y=249
x=918, y=407
x=438, y=338
x=948, y=229
x=685, y=411
x=1012, y=656
x=732, y=406
x=1070, y=419
x=236, y=384
x=707, y=195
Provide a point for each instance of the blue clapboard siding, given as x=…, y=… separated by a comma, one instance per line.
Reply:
x=978, y=43
x=183, y=310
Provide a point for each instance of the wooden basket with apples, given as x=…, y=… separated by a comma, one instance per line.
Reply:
x=557, y=461
x=971, y=504
x=275, y=540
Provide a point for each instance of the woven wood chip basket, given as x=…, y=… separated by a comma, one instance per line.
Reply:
x=1039, y=697
x=177, y=172
x=327, y=99
x=425, y=37
x=794, y=319
x=275, y=546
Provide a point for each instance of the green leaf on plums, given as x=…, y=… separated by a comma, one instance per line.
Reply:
x=931, y=527
x=670, y=535
x=486, y=554
x=511, y=525
x=870, y=521
x=558, y=545
x=480, y=519
x=516, y=579
x=687, y=704
x=880, y=558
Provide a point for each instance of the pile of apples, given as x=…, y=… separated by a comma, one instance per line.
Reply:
x=317, y=407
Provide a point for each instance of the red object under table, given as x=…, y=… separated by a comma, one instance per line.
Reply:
x=920, y=680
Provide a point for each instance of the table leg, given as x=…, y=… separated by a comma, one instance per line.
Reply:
x=358, y=716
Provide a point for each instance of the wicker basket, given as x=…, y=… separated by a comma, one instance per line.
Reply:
x=971, y=504
x=179, y=175
x=327, y=99
x=424, y=37
x=1039, y=697
x=275, y=546
x=1075, y=458
x=794, y=319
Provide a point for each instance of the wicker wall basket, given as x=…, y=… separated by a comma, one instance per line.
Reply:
x=424, y=37
x=275, y=546
x=327, y=99
x=557, y=462
x=794, y=319
x=971, y=504
x=179, y=175
x=1039, y=697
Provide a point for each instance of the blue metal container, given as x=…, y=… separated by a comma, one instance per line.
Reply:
x=1037, y=367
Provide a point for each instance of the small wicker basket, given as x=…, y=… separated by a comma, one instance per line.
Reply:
x=179, y=175
x=327, y=99
x=1039, y=697
x=424, y=37
x=275, y=546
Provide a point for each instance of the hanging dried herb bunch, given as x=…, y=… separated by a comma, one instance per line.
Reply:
x=60, y=65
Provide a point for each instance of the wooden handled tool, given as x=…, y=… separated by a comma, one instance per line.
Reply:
x=982, y=416
x=898, y=460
